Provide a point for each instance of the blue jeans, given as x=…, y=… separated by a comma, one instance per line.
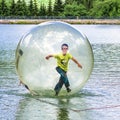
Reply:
x=62, y=80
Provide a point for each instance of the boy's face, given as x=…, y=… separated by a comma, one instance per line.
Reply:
x=64, y=49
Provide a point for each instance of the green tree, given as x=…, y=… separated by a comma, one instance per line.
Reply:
x=4, y=10
x=69, y=1
x=12, y=8
x=106, y=8
x=76, y=1
x=58, y=8
x=49, y=10
x=88, y=3
x=30, y=8
x=42, y=10
x=79, y=1
x=21, y=8
x=35, y=8
x=75, y=10
x=25, y=8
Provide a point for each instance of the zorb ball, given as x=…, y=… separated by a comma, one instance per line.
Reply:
x=39, y=74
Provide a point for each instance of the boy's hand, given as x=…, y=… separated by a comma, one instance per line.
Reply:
x=79, y=66
x=47, y=57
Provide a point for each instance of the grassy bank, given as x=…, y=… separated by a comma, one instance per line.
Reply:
x=71, y=21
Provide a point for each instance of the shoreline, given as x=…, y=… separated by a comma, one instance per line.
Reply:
x=70, y=21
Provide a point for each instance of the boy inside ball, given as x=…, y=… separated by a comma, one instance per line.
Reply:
x=62, y=67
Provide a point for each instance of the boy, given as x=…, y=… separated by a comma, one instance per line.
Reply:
x=62, y=67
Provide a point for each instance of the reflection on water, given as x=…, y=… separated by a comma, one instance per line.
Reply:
x=63, y=110
x=33, y=108
x=99, y=99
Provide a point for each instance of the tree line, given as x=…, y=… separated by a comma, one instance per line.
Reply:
x=80, y=8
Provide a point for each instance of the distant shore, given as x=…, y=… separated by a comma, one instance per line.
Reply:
x=71, y=21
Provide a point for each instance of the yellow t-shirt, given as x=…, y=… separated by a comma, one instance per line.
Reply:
x=62, y=60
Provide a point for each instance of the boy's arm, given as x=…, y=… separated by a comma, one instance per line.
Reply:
x=79, y=65
x=49, y=56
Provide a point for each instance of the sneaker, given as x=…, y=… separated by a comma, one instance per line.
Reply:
x=68, y=90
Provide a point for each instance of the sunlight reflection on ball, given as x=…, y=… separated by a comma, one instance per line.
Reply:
x=46, y=38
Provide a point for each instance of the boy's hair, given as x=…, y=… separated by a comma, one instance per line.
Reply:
x=64, y=45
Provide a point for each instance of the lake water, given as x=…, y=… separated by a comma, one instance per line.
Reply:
x=98, y=100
